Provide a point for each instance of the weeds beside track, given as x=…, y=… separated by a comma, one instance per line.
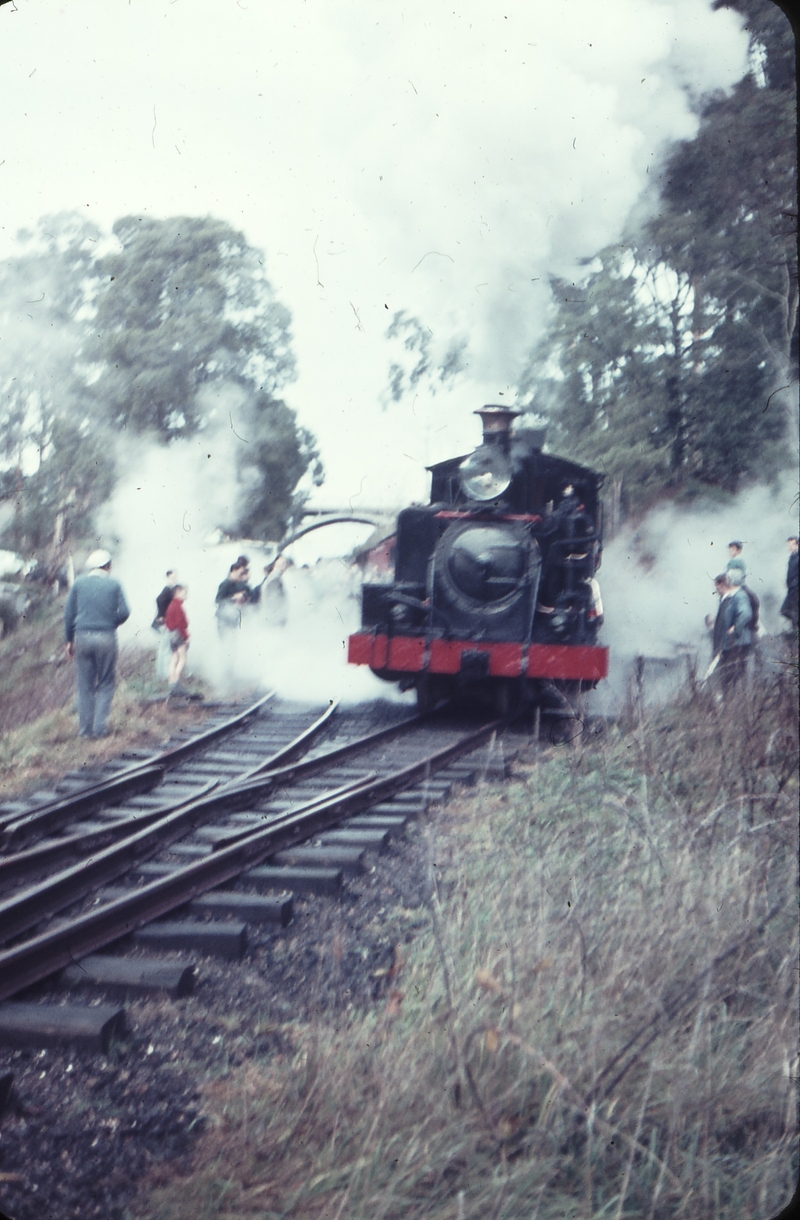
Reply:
x=599, y=1020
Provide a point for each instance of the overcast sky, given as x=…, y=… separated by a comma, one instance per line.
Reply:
x=384, y=154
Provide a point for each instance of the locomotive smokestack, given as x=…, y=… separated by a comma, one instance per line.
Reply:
x=497, y=425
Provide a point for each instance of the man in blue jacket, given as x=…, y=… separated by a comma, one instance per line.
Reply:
x=737, y=638
x=95, y=607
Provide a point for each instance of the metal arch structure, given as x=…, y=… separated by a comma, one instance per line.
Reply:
x=374, y=519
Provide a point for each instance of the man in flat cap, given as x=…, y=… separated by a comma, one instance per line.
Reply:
x=95, y=607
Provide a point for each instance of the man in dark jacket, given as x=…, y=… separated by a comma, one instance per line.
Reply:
x=790, y=602
x=723, y=588
x=164, y=653
x=233, y=593
x=95, y=607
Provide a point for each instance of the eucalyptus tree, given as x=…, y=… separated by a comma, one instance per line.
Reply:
x=672, y=362
x=56, y=460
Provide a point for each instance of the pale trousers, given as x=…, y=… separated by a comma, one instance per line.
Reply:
x=95, y=660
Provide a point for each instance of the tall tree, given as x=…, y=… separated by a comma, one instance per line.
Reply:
x=729, y=219
x=174, y=332
x=56, y=456
x=186, y=302
x=190, y=337
x=673, y=362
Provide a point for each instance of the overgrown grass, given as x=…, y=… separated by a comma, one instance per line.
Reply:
x=38, y=720
x=600, y=1021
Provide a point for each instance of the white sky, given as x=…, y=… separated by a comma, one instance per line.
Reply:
x=382, y=153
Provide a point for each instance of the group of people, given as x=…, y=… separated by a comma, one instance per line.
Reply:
x=96, y=607
x=735, y=627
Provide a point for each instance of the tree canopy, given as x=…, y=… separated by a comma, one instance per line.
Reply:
x=673, y=362
x=186, y=302
x=159, y=331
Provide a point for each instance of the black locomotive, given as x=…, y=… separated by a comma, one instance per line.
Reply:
x=493, y=592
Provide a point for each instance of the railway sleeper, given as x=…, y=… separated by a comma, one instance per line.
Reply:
x=131, y=974
x=366, y=821
x=348, y=859
x=395, y=808
x=41, y=1025
x=326, y=881
x=323, y=879
x=370, y=840
x=214, y=939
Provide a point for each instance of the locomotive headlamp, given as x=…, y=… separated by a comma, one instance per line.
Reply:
x=485, y=474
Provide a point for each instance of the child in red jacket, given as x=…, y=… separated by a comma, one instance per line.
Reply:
x=177, y=625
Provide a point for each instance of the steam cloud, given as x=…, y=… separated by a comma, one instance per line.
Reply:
x=457, y=158
x=164, y=515
x=657, y=580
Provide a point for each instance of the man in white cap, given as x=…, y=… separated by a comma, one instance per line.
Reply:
x=95, y=607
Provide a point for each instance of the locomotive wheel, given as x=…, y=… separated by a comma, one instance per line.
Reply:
x=430, y=689
x=566, y=721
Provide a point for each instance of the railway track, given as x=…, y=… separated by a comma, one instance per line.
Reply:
x=184, y=850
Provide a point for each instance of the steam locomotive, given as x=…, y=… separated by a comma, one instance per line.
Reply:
x=493, y=596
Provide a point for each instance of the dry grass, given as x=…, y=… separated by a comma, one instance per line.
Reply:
x=38, y=721
x=601, y=1020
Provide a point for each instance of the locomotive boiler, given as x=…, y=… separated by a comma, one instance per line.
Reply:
x=494, y=595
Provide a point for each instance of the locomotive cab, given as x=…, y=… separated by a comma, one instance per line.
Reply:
x=495, y=577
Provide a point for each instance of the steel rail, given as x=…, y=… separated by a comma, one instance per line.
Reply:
x=52, y=814
x=49, y=952
x=169, y=758
x=16, y=828
x=297, y=746
x=311, y=766
x=141, y=835
x=21, y=863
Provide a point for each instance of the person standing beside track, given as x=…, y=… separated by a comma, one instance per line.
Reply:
x=789, y=609
x=177, y=626
x=95, y=608
x=234, y=593
x=162, y=601
x=735, y=636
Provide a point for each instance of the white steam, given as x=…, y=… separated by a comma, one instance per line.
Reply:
x=165, y=515
x=385, y=157
x=657, y=580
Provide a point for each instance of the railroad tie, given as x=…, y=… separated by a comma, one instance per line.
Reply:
x=301, y=880
x=349, y=859
x=369, y=840
x=251, y=908
x=225, y=940
x=59, y=1024
x=131, y=974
